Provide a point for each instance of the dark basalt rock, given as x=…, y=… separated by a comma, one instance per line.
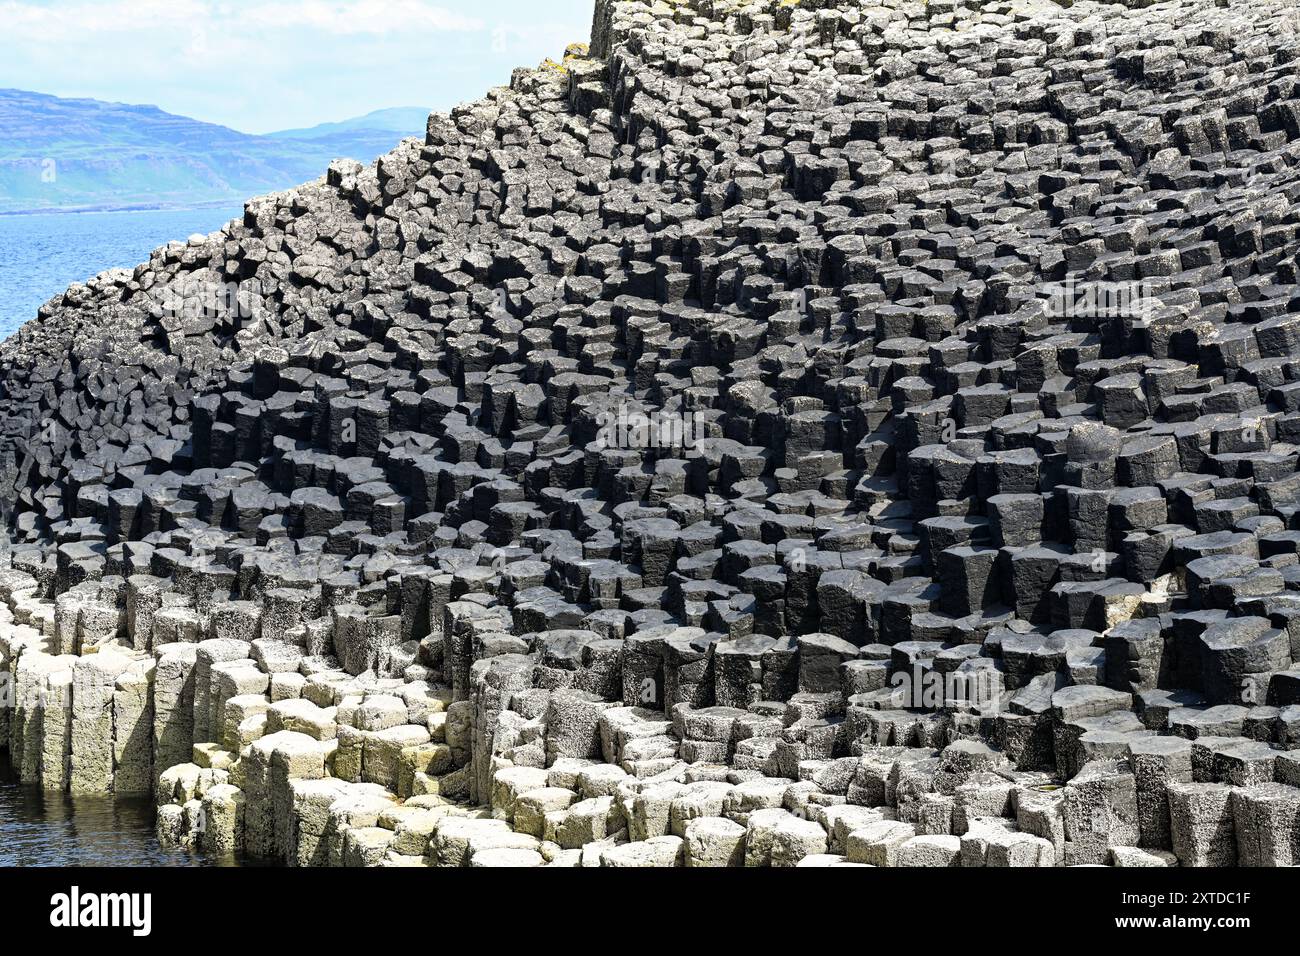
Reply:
x=768, y=359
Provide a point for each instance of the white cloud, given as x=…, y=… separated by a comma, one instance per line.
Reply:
x=26, y=19
x=261, y=65
x=53, y=23
x=345, y=17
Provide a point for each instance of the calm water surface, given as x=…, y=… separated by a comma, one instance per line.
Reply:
x=42, y=254
x=53, y=829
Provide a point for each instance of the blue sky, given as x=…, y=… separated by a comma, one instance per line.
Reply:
x=265, y=65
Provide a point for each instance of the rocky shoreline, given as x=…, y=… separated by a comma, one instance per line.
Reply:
x=952, y=514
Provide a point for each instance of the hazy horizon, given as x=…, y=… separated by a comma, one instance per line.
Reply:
x=299, y=63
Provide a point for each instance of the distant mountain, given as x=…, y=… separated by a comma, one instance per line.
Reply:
x=399, y=119
x=87, y=154
x=369, y=136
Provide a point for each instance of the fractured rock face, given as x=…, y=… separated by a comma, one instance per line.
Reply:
x=777, y=434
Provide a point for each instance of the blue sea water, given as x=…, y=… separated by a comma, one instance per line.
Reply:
x=40, y=256
x=43, y=253
x=55, y=829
